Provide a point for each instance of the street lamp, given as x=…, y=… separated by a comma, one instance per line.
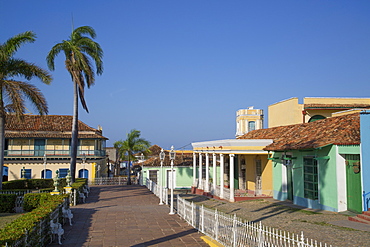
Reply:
x=84, y=164
x=142, y=157
x=161, y=157
x=45, y=166
x=172, y=157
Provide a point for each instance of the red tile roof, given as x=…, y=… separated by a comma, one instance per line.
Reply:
x=342, y=130
x=49, y=126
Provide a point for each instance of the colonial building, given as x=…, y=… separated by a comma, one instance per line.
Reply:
x=248, y=120
x=161, y=174
x=39, y=146
x=318, y=165
x=290, y=111
x=232, y=168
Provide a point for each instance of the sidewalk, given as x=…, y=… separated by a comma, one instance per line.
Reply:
x=126, y=216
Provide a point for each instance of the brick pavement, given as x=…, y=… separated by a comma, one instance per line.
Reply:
x=126, y=216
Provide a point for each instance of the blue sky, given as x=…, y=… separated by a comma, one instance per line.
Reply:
x=179, y=70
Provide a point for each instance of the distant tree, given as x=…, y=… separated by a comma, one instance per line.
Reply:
x=133, y=144
x=13, y=91
x=79, y=49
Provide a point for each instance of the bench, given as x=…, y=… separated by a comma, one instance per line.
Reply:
x=67, y=214
x=56, y=229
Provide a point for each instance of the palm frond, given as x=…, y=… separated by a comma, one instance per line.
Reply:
x=11, y=46
x=22, y=68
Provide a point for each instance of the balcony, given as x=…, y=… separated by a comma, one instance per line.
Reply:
x=52, y=154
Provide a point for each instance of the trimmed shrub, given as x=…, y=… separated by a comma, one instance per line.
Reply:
x=15, y=230
x=14, y=184
x=7, y=203
x=34, y=200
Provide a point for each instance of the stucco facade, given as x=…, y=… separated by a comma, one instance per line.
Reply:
x=248, y=120
x=290, y=111
x=40, y=145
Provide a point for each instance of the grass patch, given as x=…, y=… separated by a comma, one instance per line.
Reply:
x=6, y=218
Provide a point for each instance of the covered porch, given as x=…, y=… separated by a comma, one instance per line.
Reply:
x=232, y=169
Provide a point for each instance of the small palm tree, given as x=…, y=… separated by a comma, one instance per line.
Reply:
x=13, y=91
x=131, y=146
x=79, y=49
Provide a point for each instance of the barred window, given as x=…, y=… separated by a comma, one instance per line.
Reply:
x=153, y=175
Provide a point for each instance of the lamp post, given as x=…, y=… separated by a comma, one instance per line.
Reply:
x=161, y=157
x=172, y=157
x=142, y=157
x=84, y=164
x=45, y=166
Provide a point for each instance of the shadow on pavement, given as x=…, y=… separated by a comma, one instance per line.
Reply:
x=166, y=238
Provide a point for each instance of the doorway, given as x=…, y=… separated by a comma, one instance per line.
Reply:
x=169, y=179
x=353, y=174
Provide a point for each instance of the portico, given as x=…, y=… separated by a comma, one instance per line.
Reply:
x=230, y=165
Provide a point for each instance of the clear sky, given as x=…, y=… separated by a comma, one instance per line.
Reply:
x=179, y=70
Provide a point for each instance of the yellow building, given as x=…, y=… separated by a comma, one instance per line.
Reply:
x=41, y=145
x=248, y=120
x=244, y=168
x=290, y=111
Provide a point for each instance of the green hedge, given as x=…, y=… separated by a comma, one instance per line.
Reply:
x=15, y=230
x=7, y=203
x=34, y=200
x=33, y=184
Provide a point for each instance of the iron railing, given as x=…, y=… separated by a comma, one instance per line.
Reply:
x=51, y=153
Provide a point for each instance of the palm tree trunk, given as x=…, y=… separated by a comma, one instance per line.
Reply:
x=2, y=146
x=74, y=141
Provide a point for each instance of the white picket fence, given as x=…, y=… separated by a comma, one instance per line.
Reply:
x=232, y=231
x=156, y=189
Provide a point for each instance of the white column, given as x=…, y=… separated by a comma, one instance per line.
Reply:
x=206, y=189
x=194, y=169
x=200, y=172
x=222, y=167
x=231, y=178
x=214, y=175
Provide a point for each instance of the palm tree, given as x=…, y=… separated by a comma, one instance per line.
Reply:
x=131, y=146
x=79, y=49
x=13, y=91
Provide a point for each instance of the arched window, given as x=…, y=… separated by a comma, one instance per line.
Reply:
x=315, y=118
x=251, y=125
x=48, y=173
x=83, y=173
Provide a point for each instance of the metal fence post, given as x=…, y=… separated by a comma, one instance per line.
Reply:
x=192, y=214
x=260, y=237
x=301, y=243
x=202, y=219
x=216, y=225
x=234, y=230
x=74, y=197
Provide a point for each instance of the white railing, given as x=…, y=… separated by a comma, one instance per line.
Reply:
x=108, y=181
x=233, y=231
x=156, y=189
x=40, y=235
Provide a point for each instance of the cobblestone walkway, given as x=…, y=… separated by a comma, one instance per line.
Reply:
x=327, y=227
x=126, y=216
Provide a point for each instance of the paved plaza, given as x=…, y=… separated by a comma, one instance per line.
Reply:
x=127, y=216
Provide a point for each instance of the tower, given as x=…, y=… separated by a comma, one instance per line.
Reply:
x=248, y=120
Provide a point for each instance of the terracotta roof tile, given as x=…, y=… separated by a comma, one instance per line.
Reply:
x=49, y=126
x=342, y=130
